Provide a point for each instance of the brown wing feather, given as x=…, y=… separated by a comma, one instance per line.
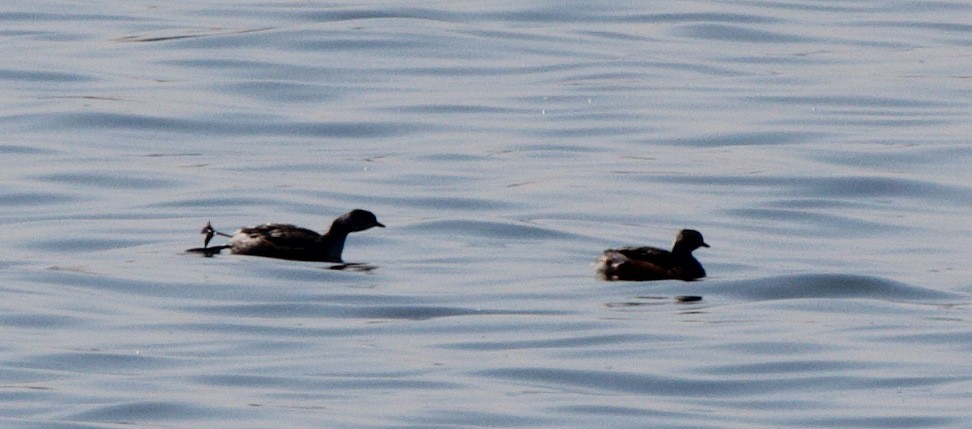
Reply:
x=643, y=270
x=639, y=263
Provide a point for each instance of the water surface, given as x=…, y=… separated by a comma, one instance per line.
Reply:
x=821, y=148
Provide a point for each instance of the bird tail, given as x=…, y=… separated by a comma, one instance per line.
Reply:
x=607, y=265
x=209, y=233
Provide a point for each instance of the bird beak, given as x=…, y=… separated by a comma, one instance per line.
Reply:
x=379, y=224
x=704, y=245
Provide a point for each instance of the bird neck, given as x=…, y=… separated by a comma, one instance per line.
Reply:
x=681, y=249
x=340, y=226
x=333, y=240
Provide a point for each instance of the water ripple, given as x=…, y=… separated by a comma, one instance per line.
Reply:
x=114, y=180
x=141, y=411
x=807, y=286
x=35, y=76
x=566, y=343
x=405, y=312
x=747, y=139
x=695, y=387
x=506, y=231
x=128, y=122
x=855, y=187
x=97, y=361
x=734, y=33
x=13, y=199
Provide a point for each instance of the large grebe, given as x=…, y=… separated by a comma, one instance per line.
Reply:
x=275, y=240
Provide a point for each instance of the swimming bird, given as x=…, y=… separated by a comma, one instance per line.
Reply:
x=283, y=241
x=652, y=263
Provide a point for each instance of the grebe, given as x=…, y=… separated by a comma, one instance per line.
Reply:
x=275, y=240
x=652, y=263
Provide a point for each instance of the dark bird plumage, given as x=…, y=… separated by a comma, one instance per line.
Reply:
x=652, y=263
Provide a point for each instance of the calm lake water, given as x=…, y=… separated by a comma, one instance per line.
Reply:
x=822, y=148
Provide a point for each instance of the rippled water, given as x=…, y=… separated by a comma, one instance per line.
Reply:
x=821, y=147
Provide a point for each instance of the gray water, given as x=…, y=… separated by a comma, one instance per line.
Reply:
x=822, y=148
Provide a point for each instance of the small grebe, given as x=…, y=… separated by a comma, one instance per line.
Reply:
x=652, y=263
x=275, y=240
